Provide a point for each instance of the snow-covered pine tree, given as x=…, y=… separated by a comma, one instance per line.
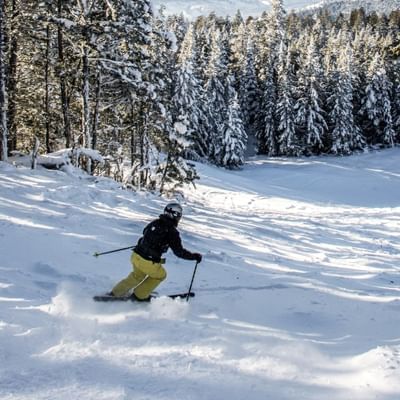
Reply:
x=396, y=102
x=175, y=95
x=188, y=49
x=87, y=13
x=288, y=140
x=183, y=102
x=177, y=24
x=267, y=135
x=310, y=119
x=3, y=93
x=216, y=89
x=331, y=55
x=234, y=138
x=360, y=66
x=128, y=40
x=204, y=28
x=376, y=105
x=238, y=42
x=345, y=134
x=248, y=90
x=357, y=18
x=173, y=169
x=189, y=98
x=261, y=44
x=279, y=24
x=137, y=61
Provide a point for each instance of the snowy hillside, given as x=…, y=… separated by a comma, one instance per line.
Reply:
x=297, y=297
x=194, y=8
x=335, y=7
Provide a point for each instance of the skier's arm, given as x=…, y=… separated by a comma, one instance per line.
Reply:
x=175, y=243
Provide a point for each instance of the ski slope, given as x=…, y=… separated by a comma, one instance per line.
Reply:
x=297, y=297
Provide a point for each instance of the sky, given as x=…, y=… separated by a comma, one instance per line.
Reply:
x=297, y=296
x=193, y=8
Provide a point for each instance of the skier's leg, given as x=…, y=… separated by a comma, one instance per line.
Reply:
x=132, y=280
x=144, y=290
x=155, y=275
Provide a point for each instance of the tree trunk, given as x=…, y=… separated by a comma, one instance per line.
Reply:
x=47, y=90
x=3, y=90
x=35, y=152
x=86, y=104
x=12, y=81
x=96, y=110
x=144, y=149
x=164, y=176
x=132, y=129
x=63, y=86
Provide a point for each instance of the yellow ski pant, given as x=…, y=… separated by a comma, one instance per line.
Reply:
x=146, y=276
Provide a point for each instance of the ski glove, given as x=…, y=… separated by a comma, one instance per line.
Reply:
x=198, y=257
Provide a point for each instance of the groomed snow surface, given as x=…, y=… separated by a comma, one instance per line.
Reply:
x=298, y=295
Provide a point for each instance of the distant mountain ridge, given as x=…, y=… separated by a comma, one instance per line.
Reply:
x=194, y=8
x=346, y=6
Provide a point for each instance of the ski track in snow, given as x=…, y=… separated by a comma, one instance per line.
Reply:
x=298, y=295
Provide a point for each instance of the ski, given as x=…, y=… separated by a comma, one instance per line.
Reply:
x=181, y=295
x=106, y=297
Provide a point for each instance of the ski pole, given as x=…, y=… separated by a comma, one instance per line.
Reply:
x=112, y=251
x=191, y=283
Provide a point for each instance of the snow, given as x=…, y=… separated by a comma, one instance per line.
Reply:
x=180, y=128
x=194, y=8
x=297, y=296
x=335, y=7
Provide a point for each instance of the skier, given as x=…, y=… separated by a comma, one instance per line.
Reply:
x=148, y=272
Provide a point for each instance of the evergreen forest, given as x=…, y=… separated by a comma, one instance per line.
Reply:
x=136, y=94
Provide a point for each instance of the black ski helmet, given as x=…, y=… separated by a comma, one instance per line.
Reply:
x=173, y=211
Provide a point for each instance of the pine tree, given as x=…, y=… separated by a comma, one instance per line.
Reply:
x=396, y=102
x=346, y=136
x=360, y=67
x=238, y=43
x=183, y=102
x=278, y=20
x=234, y=136
x=215, y=89
x=248, y=90
x=189, y=98
x=177, y=24
x=267, y=133
x=138, y=58
x=376, y=106
x=288, y=140
x=176, y=97
x=310, y=119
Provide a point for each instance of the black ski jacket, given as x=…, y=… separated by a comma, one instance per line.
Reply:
x=158, y=237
